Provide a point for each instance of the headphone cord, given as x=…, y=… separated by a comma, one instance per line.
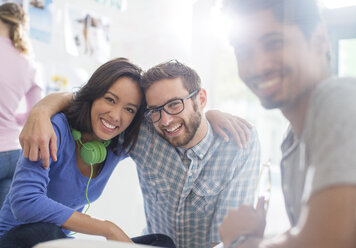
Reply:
x=86, y=191
x=86, y=195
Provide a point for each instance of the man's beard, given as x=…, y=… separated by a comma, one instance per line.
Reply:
x=189, y=132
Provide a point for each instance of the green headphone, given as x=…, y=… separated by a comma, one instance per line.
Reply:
x=92, y=152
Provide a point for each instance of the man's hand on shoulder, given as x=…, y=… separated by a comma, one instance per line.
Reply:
x=236, y=126
x=37, y=136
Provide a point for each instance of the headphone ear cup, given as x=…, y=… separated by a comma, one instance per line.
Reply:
x=93, y=152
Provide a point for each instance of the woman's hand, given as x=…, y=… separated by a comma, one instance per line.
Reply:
x=115, y=233
x=236, y=126
x=83, y=223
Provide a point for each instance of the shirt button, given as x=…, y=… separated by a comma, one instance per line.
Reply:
x=190, y=173
x=209, y=191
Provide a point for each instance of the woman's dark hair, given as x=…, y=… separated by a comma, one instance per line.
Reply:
x=79, y=111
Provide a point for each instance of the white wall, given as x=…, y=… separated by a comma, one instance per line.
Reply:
x=121, y=201
x=147, y=32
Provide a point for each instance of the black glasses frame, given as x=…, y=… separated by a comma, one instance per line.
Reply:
x=162, y=107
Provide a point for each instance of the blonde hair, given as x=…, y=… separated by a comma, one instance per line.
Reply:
x=13, y=15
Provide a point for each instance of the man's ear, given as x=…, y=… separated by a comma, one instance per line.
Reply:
x=202, y=98
x=320, y=40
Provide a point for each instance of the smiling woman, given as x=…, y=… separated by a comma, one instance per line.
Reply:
x=106, y=88
x=45, y=201
x=112, y=113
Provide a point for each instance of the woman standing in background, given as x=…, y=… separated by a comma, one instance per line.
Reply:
x=16, y=81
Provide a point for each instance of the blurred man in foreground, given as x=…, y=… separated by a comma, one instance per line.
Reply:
x=283, y=57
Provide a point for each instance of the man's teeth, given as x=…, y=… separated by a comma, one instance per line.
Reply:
x=268, y=84
x=174, y=128
x=107, y=124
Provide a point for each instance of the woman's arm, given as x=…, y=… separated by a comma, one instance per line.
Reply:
x=83, y=223
x=30, y=196
x=30, y=204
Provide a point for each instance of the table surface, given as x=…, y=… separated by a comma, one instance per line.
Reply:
x=82, y=243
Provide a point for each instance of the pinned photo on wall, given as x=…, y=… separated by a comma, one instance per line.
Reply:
x=86, y=34
x=62, y=76
x=40, y=12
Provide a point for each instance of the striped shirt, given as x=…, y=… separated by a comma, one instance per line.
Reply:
x=187, y=192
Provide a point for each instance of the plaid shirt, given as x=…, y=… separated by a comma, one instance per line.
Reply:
x=187, y=192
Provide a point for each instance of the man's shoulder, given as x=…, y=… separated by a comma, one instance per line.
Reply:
x=333, y=99
x=331, y=117
x=232, y=142
x=231, y=146
x=150, y=143
x=335, y=90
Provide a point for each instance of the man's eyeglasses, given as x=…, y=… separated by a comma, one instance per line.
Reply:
x=173, y=107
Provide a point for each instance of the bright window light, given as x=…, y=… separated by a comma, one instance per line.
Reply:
x=219, y=25
x=333, y=4
x=347, y=58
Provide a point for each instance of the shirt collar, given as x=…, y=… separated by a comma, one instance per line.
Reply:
x=289, y=143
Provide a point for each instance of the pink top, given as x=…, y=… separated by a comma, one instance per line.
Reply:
x=16, y=81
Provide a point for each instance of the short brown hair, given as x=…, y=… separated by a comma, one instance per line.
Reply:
x=170, y=70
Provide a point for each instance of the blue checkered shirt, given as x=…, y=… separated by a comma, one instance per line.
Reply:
x=187, y=192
